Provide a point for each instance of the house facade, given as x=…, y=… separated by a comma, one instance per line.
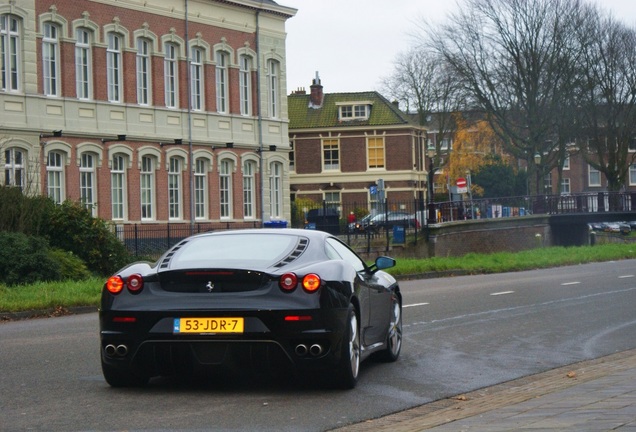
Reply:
x=353, y=150
x=149, y=112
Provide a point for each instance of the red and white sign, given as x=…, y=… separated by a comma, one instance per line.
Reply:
x=461, y=185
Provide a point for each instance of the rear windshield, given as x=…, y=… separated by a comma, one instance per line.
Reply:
x=260, y=250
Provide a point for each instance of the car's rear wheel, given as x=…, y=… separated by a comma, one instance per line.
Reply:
x=122, y=378
x=394, y=335
x=349, y=366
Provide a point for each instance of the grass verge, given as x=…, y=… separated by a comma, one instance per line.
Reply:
x=70, y=294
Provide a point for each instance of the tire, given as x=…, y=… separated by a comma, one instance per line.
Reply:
x=348, y=369
x=122, y=378
x=394, y=334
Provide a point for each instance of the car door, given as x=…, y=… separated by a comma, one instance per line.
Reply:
x=374, y=296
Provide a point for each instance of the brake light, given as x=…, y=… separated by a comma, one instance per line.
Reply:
x=135, y=283
x=311, y=282
x=288, y=282
x=124, y=319
x=114, y=284
x=298, y=318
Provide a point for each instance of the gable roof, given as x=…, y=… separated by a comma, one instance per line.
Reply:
x=302, y=116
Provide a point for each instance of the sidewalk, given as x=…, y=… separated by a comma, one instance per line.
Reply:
x=591, y=396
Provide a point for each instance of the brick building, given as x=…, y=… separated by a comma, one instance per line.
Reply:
x=148, y=112
x=345, y=146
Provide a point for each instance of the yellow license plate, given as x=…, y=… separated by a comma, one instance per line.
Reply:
x=208, y=325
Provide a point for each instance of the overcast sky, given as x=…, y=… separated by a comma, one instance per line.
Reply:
x=352, y=43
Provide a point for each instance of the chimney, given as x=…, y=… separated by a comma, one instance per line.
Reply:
x=316, y=97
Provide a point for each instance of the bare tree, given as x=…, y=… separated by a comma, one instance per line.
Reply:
x=515, y=58
x=608, y=96
x=424, y=84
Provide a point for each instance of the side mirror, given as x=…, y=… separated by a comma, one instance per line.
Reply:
x=382, y=262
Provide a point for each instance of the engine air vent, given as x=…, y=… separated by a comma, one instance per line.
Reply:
x=298, y=251
x=166, y=260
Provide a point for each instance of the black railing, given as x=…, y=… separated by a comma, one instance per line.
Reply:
x=388, y=224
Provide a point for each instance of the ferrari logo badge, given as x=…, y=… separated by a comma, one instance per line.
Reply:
x=210, y=286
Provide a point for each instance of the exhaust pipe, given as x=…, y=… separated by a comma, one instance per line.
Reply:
x=301, y=350
x=315, y=350
x=110, y=350
x=122, y=350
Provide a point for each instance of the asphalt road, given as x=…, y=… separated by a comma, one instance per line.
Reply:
x=461, y=334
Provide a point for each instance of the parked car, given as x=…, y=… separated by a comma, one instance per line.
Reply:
x=388, y=220
x=247, y=298
x=359, y=226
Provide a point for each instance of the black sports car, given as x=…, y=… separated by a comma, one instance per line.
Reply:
x=245, y=298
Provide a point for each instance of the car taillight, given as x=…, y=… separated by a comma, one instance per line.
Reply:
x=114, y=284
x=311, y=282
x=135, y=283
x=288, y=282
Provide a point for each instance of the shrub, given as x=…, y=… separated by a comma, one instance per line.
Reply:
x=71, y=227
x=71, y=266
x=25, y=259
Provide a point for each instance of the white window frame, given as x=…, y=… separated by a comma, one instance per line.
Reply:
x=245, y=84
x=591, y=173
x=171, y=74
x=225, y=188
x=50, y=59
x=114, y=67
x=197, y=79
x=200, y=189
x=276, y=189
x=55, y=177
x=632, y=175
x=175, y=189
x=88, y=182
x=273, y=87
x=355, y=111
x=144, y=71
x=10, y=55
x=83, y=64
x=329, y=162
x=565, y=188
x=118, y=186
x=222, y=59
x=249, y=187
x=14, y=167
x=147, y=188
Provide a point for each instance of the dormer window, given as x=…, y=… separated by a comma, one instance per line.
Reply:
x=354, y=111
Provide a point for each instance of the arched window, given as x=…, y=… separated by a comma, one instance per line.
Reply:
x=147, y=185
x=196, y=72
x=88, y=190
x=83, y=64
x=221, y=82
x=55, y=177
x=10, y=44
x=225, y=188
x=50, y=59
x=171, y=75
x=276, y=189
x=249, y=189
x=114, y=67
x=273, y=88
x=201, y=189
x=14, y=167
x=144, y=71
x=245, y=85
x=118, y=186
x=175, y=192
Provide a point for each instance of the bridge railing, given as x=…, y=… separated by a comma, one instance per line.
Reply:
x=592, y=202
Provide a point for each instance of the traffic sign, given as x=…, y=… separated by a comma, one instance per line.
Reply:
x=461, y=182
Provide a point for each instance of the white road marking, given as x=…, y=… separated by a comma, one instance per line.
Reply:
x=626, y=276
x=570, y=283
x=414, y=304
x=502, y=293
